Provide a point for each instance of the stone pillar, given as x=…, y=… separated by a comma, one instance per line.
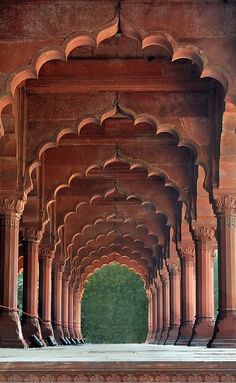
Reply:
x=166, y=306
x=57, y=271
x=77, y=314
x=154, y=313
x=10, y=327
x=205, y=245
x=159, y=309
x=188, y=294
x=175, y=300
x=46, y=256
x=65, y=302
x=71, y=308
x=225, y=327
x=30, y=322
x=149, y=296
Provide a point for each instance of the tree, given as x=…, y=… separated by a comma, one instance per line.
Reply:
x=114, y=307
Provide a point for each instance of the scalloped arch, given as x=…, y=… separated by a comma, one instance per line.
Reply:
x=156, y=38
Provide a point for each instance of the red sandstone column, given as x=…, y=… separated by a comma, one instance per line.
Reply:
x=175, y=303
x=225, y=327
x=166, y=306
x=30, y=322
x=77, y=314
x=65, y=302
x=149, y=296
x=154, y=313
x=205, y=246
x=10, y=327
x=71, y=308
x=188, y=294
x=46, y=256
x=159, y=308
x=57, y=271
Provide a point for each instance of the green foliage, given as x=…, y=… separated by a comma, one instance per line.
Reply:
x=20, y=292
x=114, y=307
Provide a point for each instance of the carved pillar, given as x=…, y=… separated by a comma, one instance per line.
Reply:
x=159, y=309
x=166, y=306
x=205, y=245
x=65, y=302
x=10, y=327
x=46, y=256
x=154, y=313
x=149, y=296
x=77, y=314
x=57, y=271
x=30, y=322
x=71, y=308
x=175, y=303
x=188, y=294
x=225, y=327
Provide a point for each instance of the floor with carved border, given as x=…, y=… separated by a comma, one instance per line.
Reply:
x=118, y=363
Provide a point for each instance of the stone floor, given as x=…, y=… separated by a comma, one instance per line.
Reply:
x=118, y=363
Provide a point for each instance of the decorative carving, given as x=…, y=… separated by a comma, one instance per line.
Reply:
x=46, y=252
x=66, y=276
x=58, y=268
x=32, y=234
x=223, y=203
x=203, y=233
x=10, y=206
x=173, y=266
x=187, y=255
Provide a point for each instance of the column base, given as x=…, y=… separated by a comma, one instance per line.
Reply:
x=164, y=335
x=58, y=332
x=185, y=334
x=202, y=332
x=47, y=330
x=10, y=330
x=30, y=326
x=66, y=332
x=152, y=339
x=225, y=330
x=173, y=334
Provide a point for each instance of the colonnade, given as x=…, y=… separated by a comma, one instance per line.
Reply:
x=181, y=299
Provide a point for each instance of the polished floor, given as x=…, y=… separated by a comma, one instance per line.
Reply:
x=112, y=363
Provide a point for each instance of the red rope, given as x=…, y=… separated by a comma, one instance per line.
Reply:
x=23, y=312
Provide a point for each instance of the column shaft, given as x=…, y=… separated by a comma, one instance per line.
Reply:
x=10, y=327
x=166, y=307
x=45, y=290
x=57, y=301
x=225, y=327
x=65, y=303
x=188, y=295
x=175, y=303
x=205, y=245
x=30, y=322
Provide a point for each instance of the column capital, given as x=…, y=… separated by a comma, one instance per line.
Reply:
x=204, y=233
x=11, y=206
x=58, y=268
x=187, y=253
x=224, y=203
x=46, y=252
x=32, y=234
x=66, y=276
x=173, y=266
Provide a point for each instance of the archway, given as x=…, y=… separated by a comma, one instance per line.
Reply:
x=114, y=306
